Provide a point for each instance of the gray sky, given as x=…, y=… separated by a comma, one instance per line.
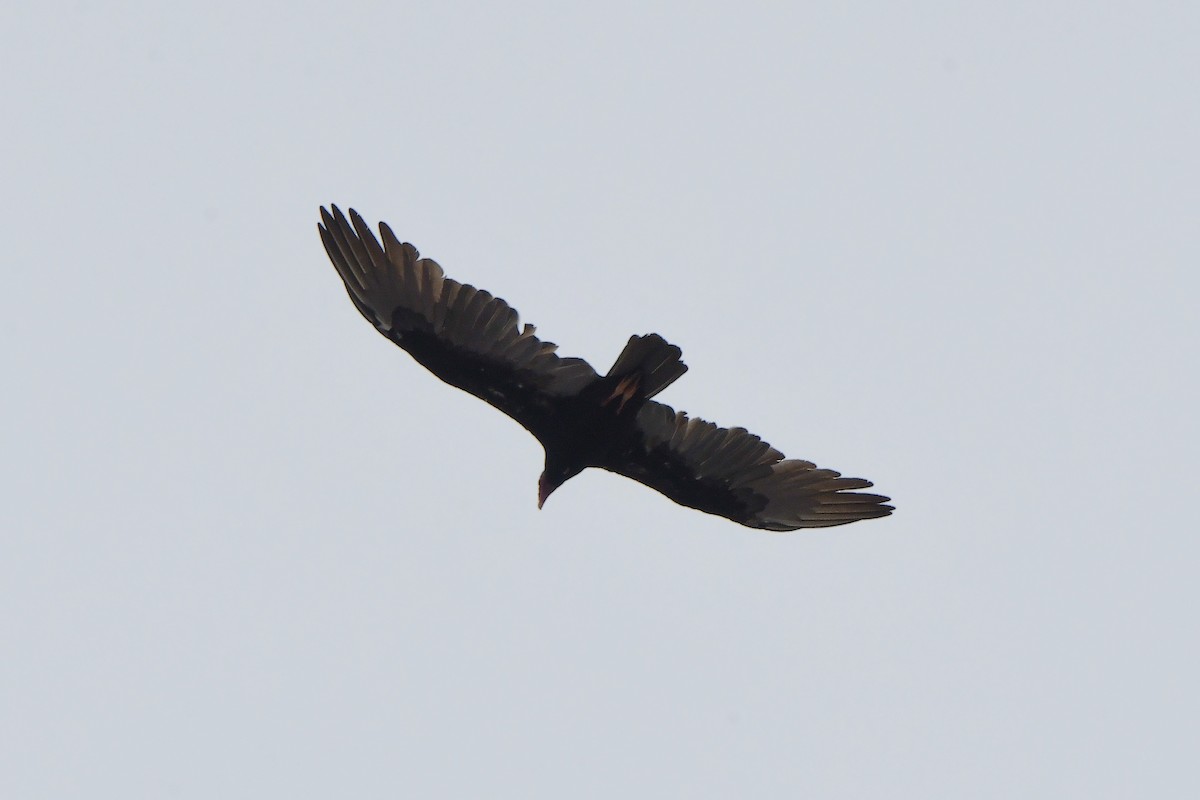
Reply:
x=251, y=549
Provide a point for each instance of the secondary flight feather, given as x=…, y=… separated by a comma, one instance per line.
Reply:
x=473, y=340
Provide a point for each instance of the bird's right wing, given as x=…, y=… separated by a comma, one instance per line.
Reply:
x=464, y=335
x=735, y=474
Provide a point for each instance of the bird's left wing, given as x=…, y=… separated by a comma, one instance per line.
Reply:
x=735, y=474
x=464, y=335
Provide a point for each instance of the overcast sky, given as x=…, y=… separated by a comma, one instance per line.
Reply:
x=251, y=549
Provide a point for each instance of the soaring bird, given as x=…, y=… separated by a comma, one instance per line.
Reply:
x=472, y=340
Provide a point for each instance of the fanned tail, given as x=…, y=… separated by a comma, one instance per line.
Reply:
x=658, y=362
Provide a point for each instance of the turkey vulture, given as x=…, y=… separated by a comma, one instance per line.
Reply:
x=471, y=340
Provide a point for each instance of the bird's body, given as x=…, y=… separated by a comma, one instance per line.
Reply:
x=471, y=340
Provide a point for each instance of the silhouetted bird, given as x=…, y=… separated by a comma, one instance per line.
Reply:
x=472, y=340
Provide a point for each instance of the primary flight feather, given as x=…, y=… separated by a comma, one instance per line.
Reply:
x=472, y=340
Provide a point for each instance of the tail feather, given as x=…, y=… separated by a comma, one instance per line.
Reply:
x=658, y=361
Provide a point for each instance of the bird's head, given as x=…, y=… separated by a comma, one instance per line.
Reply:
x=554, y=476
x=545, y=489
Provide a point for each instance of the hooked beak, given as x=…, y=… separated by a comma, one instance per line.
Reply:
x=544, y=490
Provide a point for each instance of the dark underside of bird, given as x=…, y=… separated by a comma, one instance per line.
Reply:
x=473, y=340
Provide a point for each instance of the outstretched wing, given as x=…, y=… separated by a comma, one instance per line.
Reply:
x=464, y=335
x=733, y=473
